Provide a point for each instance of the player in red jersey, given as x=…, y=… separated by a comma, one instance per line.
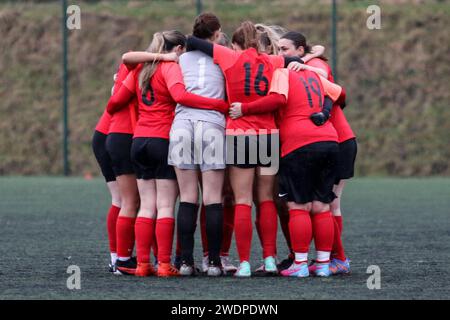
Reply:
x=158, y=86
x=268, y=37
x=204, y=24
x=121, y=133
x=250, y=139
x=112, y=143
x=118, y=146
x=294, y=44
x=308, y=158
x=104, y=161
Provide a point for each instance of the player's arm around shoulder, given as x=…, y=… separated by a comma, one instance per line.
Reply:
x=331, y=89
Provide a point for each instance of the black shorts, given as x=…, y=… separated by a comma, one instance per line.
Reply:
x=308, y=173
x=118, y=146
x=150, y=155
x=251, y=151
x=346, y=160
x=102, y=156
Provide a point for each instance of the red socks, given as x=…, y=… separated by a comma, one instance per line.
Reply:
x=323, y=229
x=111, y=221
x=125, y=236
x=155, y=244
x=268, y=223
x=300, y=229
x=228, y=227
x=258, y=229
x=164, y=236
x=144, y=229
x=243, y=230
x=338, y=248
x=338, y=220
x=284, y=222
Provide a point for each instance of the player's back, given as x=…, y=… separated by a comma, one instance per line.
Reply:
x=202, y=77
x=249, y=77
x=305, y=94
x=156, y=105
x=305, y=97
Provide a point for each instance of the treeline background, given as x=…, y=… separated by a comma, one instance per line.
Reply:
x=397, y=78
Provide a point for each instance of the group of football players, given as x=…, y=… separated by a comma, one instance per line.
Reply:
x=224, y=126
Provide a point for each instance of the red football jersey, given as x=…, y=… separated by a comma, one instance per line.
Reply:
x=305, y=92
x=103, y=123
x=121, y=121
x=337, y=116
x=156, y=108
x=248, y=75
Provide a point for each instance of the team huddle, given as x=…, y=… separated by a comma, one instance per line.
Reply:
x=221, y=125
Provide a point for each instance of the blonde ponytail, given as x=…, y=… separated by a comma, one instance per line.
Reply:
x=149, y=68
x=162, y=42
x=268, y=37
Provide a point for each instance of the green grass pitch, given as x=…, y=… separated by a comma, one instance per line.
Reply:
x=48, y=224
